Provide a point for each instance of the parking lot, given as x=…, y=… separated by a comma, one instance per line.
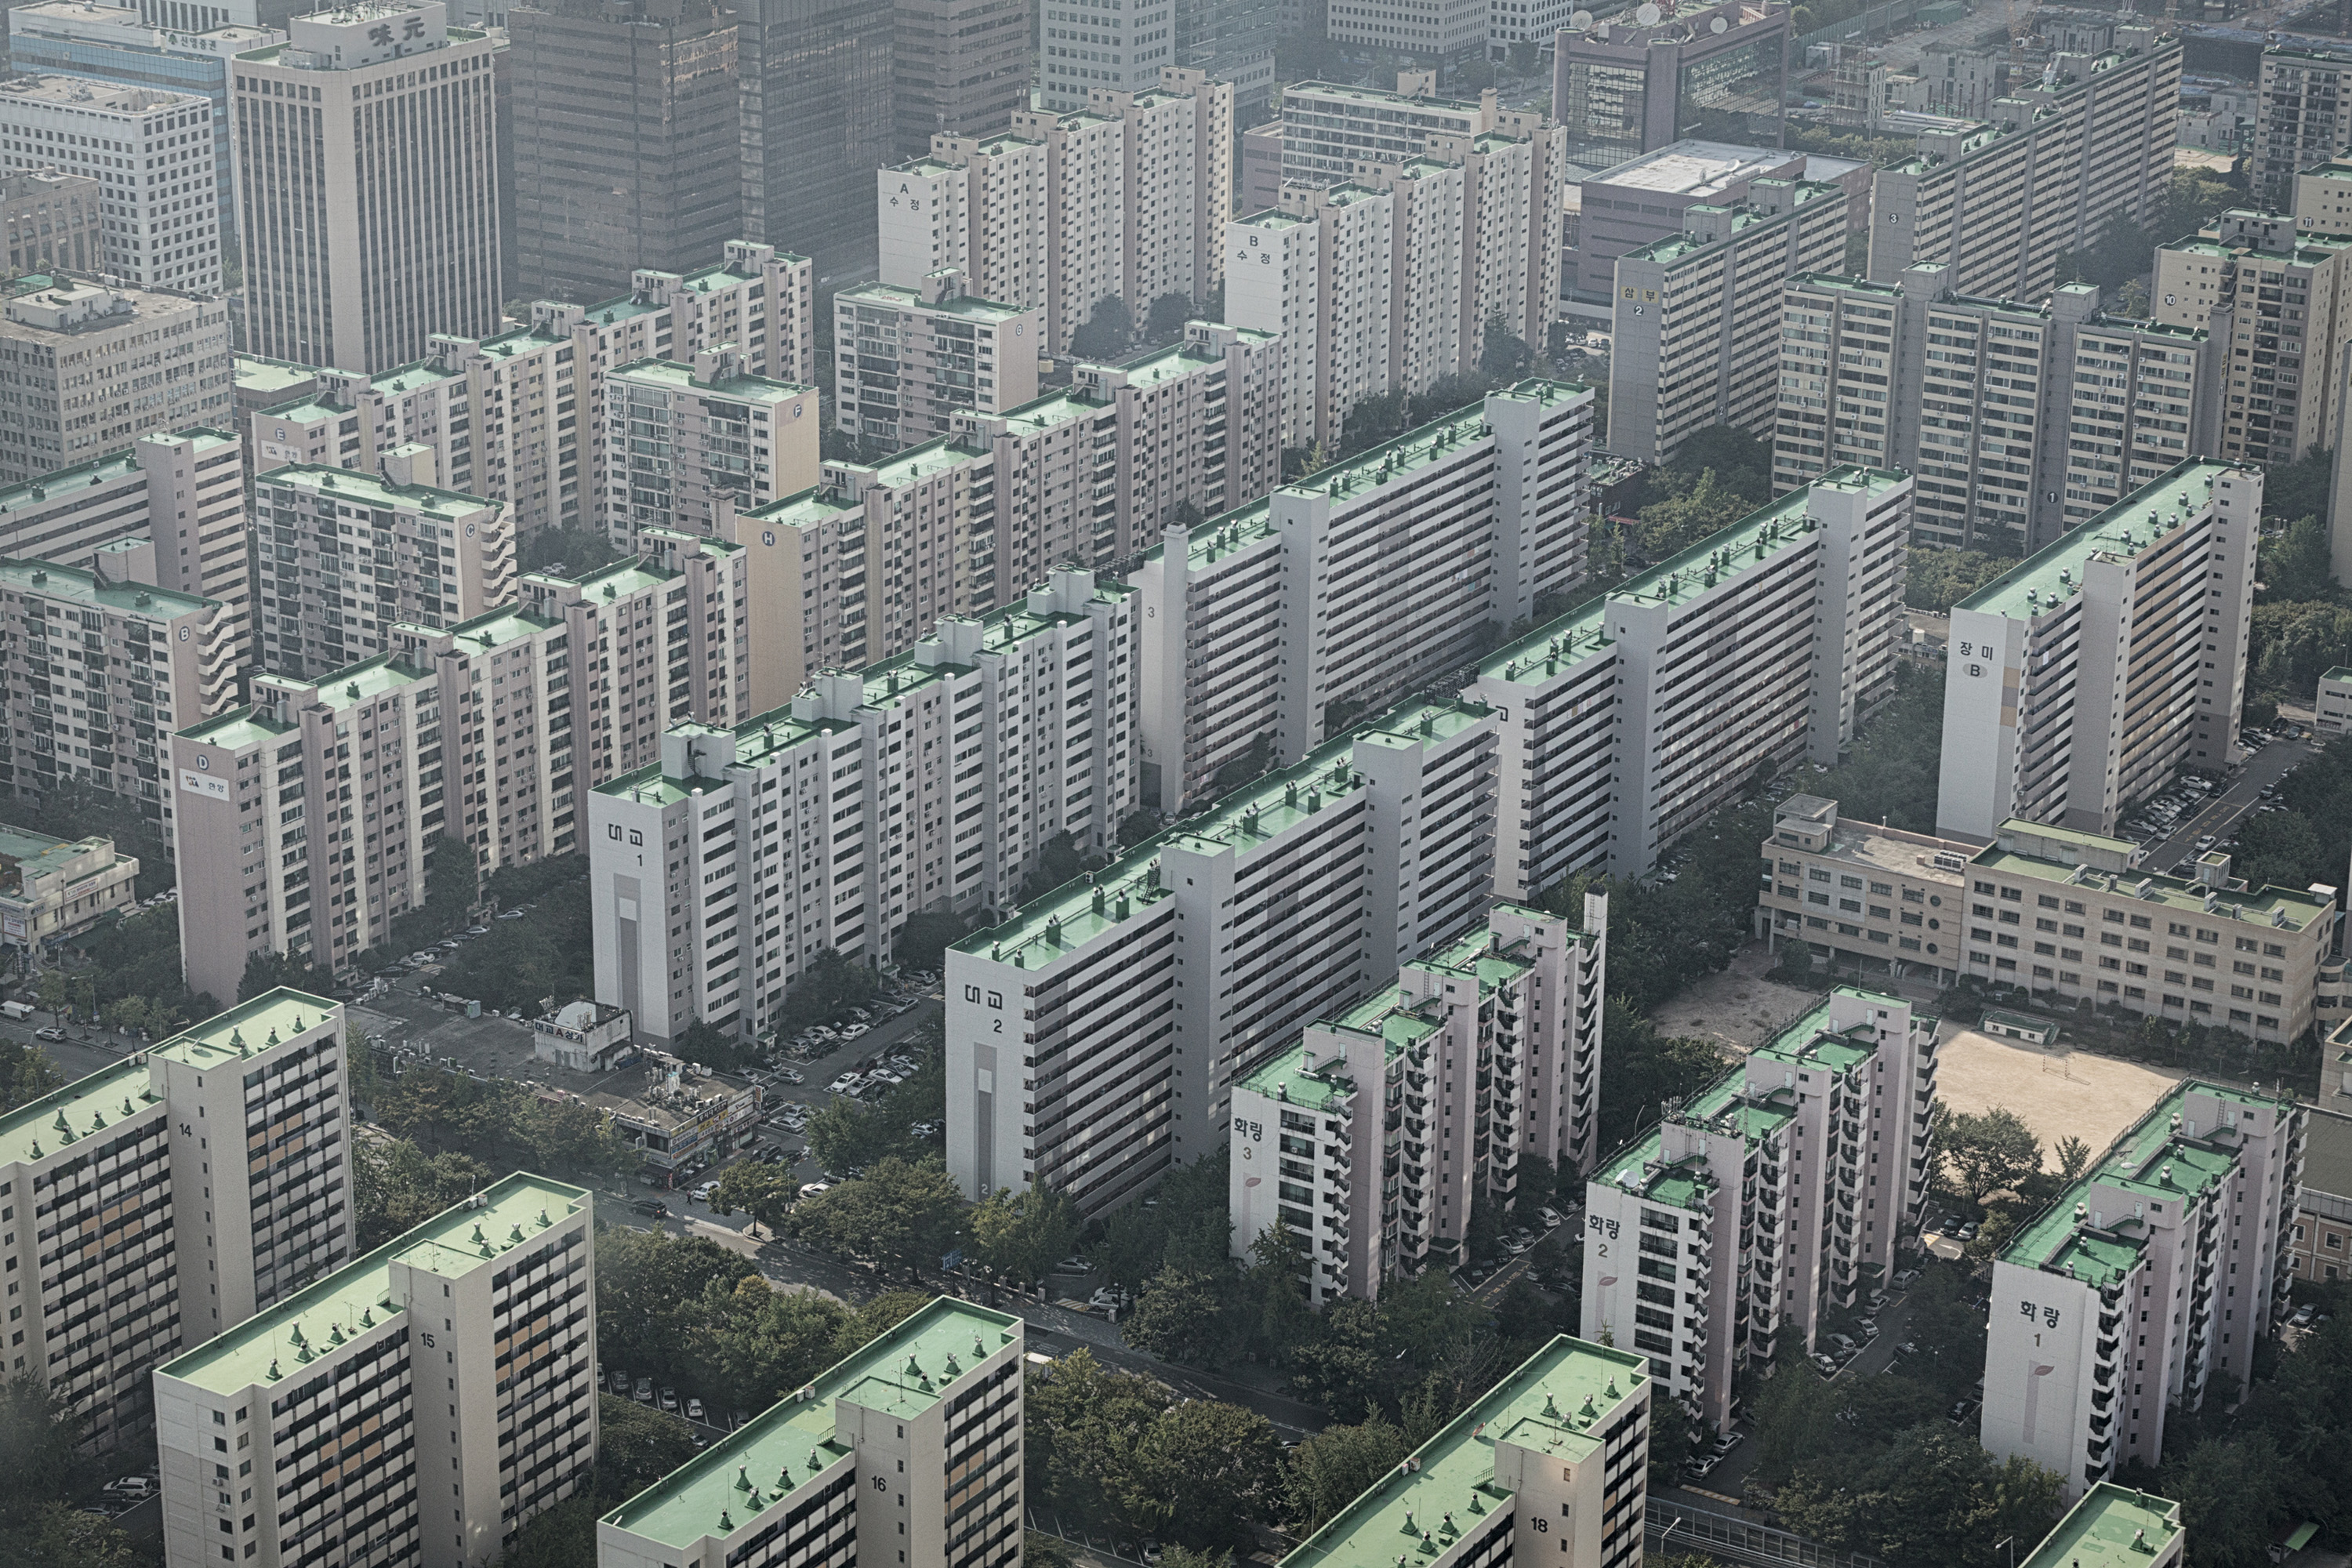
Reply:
x=2175, y=828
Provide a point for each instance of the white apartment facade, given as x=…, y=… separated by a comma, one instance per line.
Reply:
x=906, y=359
x=346, y=263
x=1196, y=425
x=680, y=437
x=92, y=367
x=152, y=151
x=2079, y=681
x=2162, y=1267
x=313, y=1428
x=134, y=1253
x=1517, y=999
x=1318, y=274
x=2275, y=295
x=1769, y=1197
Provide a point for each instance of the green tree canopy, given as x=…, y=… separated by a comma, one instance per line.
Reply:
x=763, y=1191
x=1336, y=1466
x=1988, y=1153
x=1017, y=1237
x=900, y=1214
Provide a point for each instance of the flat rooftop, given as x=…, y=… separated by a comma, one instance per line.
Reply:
x=38, y=1129
x=891, y=297
x=675, y=375
x=2105, y=1528
x=1697, y=169
x=368, y=489
x=361, y=682
x=280, y=1014
x=237, y=729
x=2126, y=528
x=77, y=586
x=904, y=1371
x=91, y=95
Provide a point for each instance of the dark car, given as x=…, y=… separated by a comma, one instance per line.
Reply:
x=652, y=1208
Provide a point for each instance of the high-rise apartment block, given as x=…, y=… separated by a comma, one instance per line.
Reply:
x=905, y=359
x=816, y=119
x=2080, y=680
x=343, y=555
x=680, y=438
x=55, y=221
x=154, y=153
x=1271, y=627
x=1765, y=1200
x=1327, y=128
x=1549, y=1465
x=1197, y=428
x=1623, y=86
x=2323, y=196
x=1693, y=340
x=929, y=781
x=315, y=1429
x=91, y=367
x=2298, y=119
x=2020, y=421
x=2063, y=914
x=2277, y=297
x=626, y=151
x=2061, y=160
x=1484, y=1050
x=127, y=1246
x=2156, y=1272
x=370, y=226
x=1098, y=1038
x=958, y=68
x=928, y=1414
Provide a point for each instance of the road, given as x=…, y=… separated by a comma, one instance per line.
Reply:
x=2221, y=814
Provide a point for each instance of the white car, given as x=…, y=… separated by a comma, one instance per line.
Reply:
x=844, y=1084
x=702, y=1194
x=1551, y=1219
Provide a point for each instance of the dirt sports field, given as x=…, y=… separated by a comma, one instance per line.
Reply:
x=2070, y=1093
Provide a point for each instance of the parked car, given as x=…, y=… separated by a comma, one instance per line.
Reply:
x=1551, y=1220
x=1699, y=1470
x=792, y=1075
x=693, y=1410
x=844, y=1084
x=510, y=915
x=48, y=1032
x=702, y=1194
x=1826, y=1364
x=669, y=1400
x=644, y=1391
x=620, y=1383
x=811, y=1189
x=652, y=1208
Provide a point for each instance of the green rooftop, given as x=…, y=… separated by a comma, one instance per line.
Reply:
x=903, y=1372
x=492, y=628
x=237, y=729
x=2266, y=908
x=361, y=682
x=50, y=488
x=62, y=1117
x=2055, y=571
x=901, y=468
x=676, y=376
x=2342, y=672
x=280, y=1014
x=371, y=490
x=77, y=586
x=1039, y=413
x=259, y=377
x=278, y=1344
x=891, y=297
x=1558, y=1402
x=2106, y=1530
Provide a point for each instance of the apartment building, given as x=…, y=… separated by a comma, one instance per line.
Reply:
x=1693, y=339
x=2088, y=146
x=2159, y=1268
x=1644, y=199
x=906, y=359
x=680, y=437
x=1327, y=128
x=2082, y=679
x=1178, y=179
x=1196, y=426
x=55, y=221
x=2280, y=297
x=1143, y=994
x=98, y=661
x=153, y=151
x=1273, y=625
x=346, y=263
x=92, y=367
x=1625, y=87
x=2323, y=196
x=1317, y=275
x=51, y=890
x=931, y=780
x=313, y=1428
x=183, y=490
x=2322, y=1211
x=2112, y=1520
x=1884, y=901
x=2297, y=119
x=1769, y=1197
x=933, y=1407
x=403, y=548
x=136, y=1254
x=2020, y=422
x=1516, y=1004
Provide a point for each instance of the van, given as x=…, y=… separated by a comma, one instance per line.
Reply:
x=18, y=1010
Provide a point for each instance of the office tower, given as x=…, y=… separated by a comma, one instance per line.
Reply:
x=1231, y=41
x=929, y=1414
x=116, y=1168
x=54, y=220
x=1083, y=45
x=93, y=367
x=117, y=44
x=316, y=1427
x=1455, y=29
x=626, y=146
x=958, y=68
x=1096, y=1036
x=183, y=490
x=1856, y=891
x=816, y=119
x=2288, y=288
x=2156, y=1269
x=1482, y=1490
x=1768, y=1199
x=1482, y=1051
x=1602, y=704
x=1695, y=341
x=166, y=230
x=405, y=550
x=57, y=889
x=1867, y=374
x=1623, y=89
x=1273, y=626
x=916, y=355
x=2088, y=146
x=678, y=436
x=79, y=714
x=1042, y=692
x=364, y=232
x=2297, y=121
x=2080, y=680
x=1648, y=199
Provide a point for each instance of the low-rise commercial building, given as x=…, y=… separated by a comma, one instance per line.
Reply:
x=51, y=890
x=2156, y=1272
x=682, y=1114
x=92, y=367
x=2331, y=704
x=2321, y=1239
x=314, y=1427
x=2109, y=1521
x=1482, y=1051
x=1766, y=1200
x=928, y=1414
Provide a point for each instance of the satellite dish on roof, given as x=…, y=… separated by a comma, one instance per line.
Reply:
x=1718, y=25
x=1581, y=21
x=1647, y=15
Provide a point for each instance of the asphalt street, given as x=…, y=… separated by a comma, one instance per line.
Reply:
x=2221, y=814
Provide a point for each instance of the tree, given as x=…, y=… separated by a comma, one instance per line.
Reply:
x=1672, y=1436
x=1107, y=330
x=396, y=1186
x=1138, y=825
x=2296, y=565
x=1178, y=1316
x=25, y=1074
x=761, y=1190
x=2292, y=492
x=635, y=1445
x=1988, y=1153
x=1503, y=356
x=1338, y=1465
x=66, y=1537
x=923, y=940
x=1060, y=861
x=1937, y=578
x=1185, y=1557
x=574, y=552
x=1204, y=1473
x=2073, y=1156
x=847, y=1137
x=1165, y=323
x=645, y=1282
x=900, y=1214
x=565, y=1535
x=828, y=987
x=2227, y=1491
x=1082, y=1422
x=50, y=989
x=1018, y=1236
x=37, y=1433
